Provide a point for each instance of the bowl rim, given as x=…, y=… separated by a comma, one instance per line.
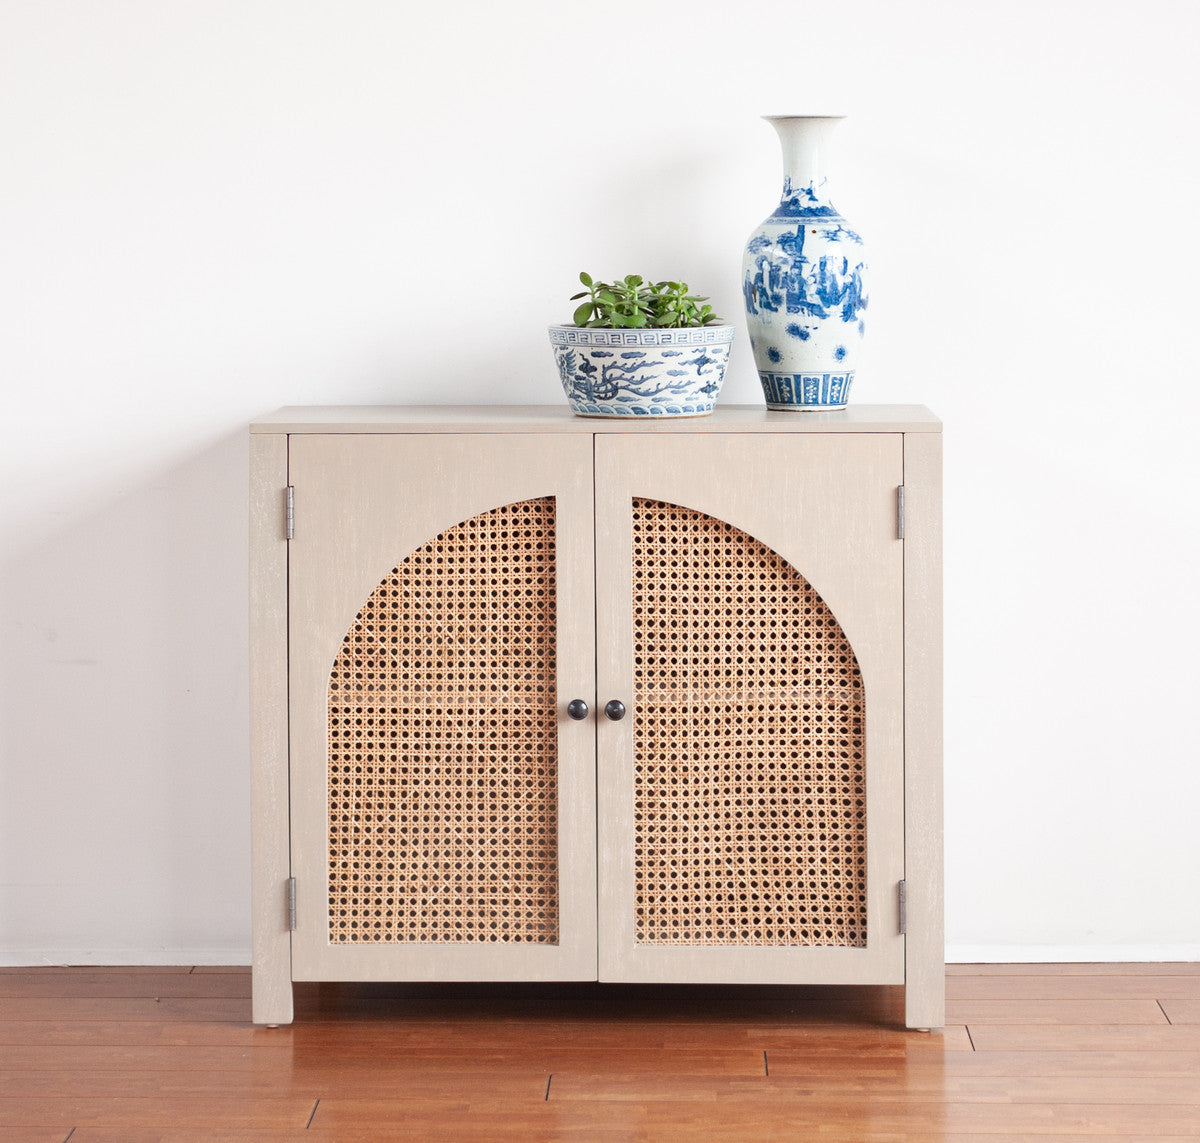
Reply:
x=641, y=329
x=690, y=331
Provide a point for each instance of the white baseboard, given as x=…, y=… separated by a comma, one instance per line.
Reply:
x=140, y=958
x=1069, y=954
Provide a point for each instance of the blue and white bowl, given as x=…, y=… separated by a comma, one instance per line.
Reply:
x=641, y=372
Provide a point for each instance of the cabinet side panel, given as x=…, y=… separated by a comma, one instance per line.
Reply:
x=925, y=969
x=272, y=1003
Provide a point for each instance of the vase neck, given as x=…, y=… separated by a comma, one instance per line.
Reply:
x=805, y=141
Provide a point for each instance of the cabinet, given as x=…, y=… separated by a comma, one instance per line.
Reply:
x=748, y=606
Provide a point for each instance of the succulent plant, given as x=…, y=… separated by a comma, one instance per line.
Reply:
x=633, y=303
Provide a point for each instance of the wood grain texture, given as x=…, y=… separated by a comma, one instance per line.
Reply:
x=89, y=983
x=142, y=1009
x=546, y=1125
x=406, y=490
x=426, y=461
x=67, y=971
x=1083, y=987
x=839, y=531
x=1050, y=1037
x=154, y=1111
x=270, y=866
x=539, y=1128
x=361, y=419
x=550, y=1062
x=1055, y=1011
x=923, y=799
x=1181, y=1011
x=1120, y=1064
x=1119, y=969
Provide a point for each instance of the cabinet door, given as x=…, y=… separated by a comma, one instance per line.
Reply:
x=749, y=594
x=441, y=617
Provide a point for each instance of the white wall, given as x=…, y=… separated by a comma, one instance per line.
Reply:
x=209, y=209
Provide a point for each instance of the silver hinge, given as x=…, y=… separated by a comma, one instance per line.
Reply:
x=900, y=512
x=291, y=511
x=903, y=886
x=291, y=904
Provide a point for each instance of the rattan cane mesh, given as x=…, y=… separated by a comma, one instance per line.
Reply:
x=750, y=800
x=442, y=743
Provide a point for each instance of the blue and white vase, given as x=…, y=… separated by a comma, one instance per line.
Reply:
x=803, y=279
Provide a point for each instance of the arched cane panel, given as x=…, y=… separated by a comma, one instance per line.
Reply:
x=443, y=743
x=749, y=785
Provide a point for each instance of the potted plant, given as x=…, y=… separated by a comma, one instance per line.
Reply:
x=641, y=349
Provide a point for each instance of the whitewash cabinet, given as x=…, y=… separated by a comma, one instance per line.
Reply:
x=540, y=697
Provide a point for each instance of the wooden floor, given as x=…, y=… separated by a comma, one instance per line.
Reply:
x=1031, y=1051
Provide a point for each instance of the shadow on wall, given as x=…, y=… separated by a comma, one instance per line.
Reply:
x=124, y=825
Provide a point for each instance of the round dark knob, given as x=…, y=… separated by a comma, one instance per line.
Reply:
x=577, y=709
x=615, y=709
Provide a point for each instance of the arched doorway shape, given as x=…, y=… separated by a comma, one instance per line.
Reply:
x=749, y=767
x=442, y=743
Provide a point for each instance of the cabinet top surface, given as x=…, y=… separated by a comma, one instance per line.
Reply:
x=559, y=419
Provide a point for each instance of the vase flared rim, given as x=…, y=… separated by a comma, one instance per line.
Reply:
x=784, y=118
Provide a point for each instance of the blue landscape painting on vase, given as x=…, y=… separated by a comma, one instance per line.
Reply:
x=829, y=287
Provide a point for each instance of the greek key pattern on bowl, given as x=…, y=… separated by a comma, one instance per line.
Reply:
x=618, y=338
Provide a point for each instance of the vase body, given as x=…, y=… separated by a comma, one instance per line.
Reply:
x=641, y=372
x=803, y=278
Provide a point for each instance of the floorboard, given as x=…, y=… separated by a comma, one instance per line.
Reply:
x=1080, y=968
x=1181, y=1011
x=159, y=1055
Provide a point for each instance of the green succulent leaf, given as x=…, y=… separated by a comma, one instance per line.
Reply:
x=632, y=302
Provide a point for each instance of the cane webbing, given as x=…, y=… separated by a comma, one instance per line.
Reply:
x=749, y=787
x=443, y=743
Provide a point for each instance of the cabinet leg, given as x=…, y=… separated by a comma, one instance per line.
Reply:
x=272, y=1000
x=925, y=1008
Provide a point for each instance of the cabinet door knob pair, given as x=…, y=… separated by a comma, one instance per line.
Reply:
x=613, y=709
